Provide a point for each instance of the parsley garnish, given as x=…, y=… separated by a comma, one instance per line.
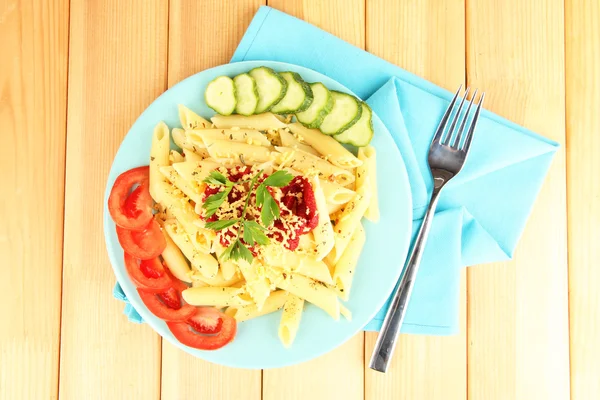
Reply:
x=253, y=232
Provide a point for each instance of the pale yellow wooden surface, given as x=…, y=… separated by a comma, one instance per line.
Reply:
x=538, y=60
x=583, y=188
x=518, y=311
x=33, y=110
x=117, y=66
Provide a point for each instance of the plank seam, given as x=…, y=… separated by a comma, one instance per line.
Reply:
x=62, y=264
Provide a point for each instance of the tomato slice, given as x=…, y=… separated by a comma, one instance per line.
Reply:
x=163, y=310
x=136, y=213
x=148, y=274
x=171, y=298
x=208, y=321
x=145, y=244
x=184, y=331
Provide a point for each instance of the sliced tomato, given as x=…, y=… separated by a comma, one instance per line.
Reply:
x=138, y=202
x=171, y=298
x=186, y=334
x=208, y=321
x=148, y=274
x=136, y=213
x=145, y=244
x=163, y=310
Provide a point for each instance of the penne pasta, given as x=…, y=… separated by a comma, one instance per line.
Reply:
x=345, y=312
x=290, y=319
x=175, y=260
x=368, y=171
x=297, y=263
x=288, y=140
x=333, y=208
x=218, y=280
x=257, y=284
x=228, y=268
x=191, y=120
x=308, y=289
x=225, y=151
x=336, y=194
x=190, y=190
x=249, y=136
x=261, y=122
x=214, y=296
x=273, y=303
x=343, y=271
x=189, y=155
x=175, y=156
x=307, y=163
x=206, y=264
x=159, y=157
x=349, y=220
x=327, y=146
x=323, y=233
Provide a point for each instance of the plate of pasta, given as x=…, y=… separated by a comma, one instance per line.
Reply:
x=257, y=214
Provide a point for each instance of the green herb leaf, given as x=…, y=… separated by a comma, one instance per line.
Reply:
x=222, y=224
x=260, y=194
x=241, y=252
x=213, y=202
x=216, y=178
x=269, y=211
x=278, y=179
x=256, y=233
x=226, y=255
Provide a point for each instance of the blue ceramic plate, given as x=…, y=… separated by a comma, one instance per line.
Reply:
x=256, y=344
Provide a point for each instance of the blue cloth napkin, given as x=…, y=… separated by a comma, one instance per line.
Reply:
x=481, y=213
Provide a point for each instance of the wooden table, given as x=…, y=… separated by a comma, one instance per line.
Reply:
x=75, y=75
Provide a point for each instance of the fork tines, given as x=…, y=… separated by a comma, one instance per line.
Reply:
x=456, y=138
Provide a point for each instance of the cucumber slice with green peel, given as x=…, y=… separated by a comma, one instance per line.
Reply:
x=361, y=133
x=246, y=94
x=271, y=88
x=345, y=112
x=321, y=105
x=297, y=97
x=220, y=95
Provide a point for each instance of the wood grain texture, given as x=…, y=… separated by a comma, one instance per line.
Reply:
x=195, y=45
x=204, y=34
x=422, y=37
x=33, y=104
x=312, y=379
x=583, y=189
x=118, y=54
x=187, y=377
x=518, y=311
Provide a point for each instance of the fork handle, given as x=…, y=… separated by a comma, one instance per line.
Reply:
x=388, y=335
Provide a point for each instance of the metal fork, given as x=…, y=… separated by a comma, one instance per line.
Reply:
x=447, y=155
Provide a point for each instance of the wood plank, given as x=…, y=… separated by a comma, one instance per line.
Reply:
x=33, y=110
x=583, y=191
x=312, y=379
x=118, y=55
x=192, y=27
x=423, y=38
x=518, y=311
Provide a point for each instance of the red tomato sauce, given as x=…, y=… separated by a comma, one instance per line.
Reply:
x=296, y=201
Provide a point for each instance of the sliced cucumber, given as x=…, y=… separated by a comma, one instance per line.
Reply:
x=319, y=108
x=245, y=94
x=361, y=133
x=345, y=112
x=297, y=97
x=220, y=95
x=271, y=88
